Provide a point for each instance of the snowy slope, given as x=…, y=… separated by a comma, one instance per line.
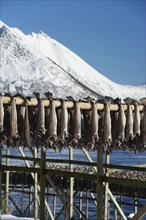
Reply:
x=36, y=62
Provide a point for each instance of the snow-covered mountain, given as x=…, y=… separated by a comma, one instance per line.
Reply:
x=36, y=62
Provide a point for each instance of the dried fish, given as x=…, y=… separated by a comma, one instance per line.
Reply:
x=94, y=123
x=86, y=126
x=27, y=137
x=58, y=112
x=114, y=118
x=1, y=114
x=121, y=123
x=107, y=126
x=13, y=119
x=101, y=125
x=52, y=130
x=144, y=127
x=129, y=123
x=77, y=121
x=47, y=112
x=63, y=121
x=41, y=117
x=136, y=124
x=21, y=115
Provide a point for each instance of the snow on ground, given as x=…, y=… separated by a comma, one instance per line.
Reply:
x=12, y=217
x=35, y=62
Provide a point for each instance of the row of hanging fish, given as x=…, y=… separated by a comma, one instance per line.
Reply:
x=61, y=127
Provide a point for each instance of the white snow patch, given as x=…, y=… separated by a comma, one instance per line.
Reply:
x=12, y=217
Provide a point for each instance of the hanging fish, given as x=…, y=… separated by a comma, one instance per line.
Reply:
x=94, y=123
x=58, y=113
x=63, y=121
x=107, y=126
x=114, y=123
x=13, y=119
x=3, y=135
x=144, y=127
x=121, y=123
x=41, y=115
x=86, y=125
x=77, y=122
x=47, y=112
x=52, y=130
x=20, y=118
x=129, y=120
x=137, y=119
x=27, y=137
x=101, y=125
x=1, y=114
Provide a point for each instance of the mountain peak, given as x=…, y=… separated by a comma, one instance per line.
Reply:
x=36, y=62
x=3, y=25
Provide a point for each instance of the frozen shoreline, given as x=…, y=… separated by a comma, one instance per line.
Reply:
x=12, y=217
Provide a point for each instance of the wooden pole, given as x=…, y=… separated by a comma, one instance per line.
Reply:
x=7, y=181
x=87, y=204
x=115, y=213
x=106, y=195
x=42, y=183
x=0, y=182
x=121, y=206
x=80, y=216
x=35, y=188
x=99, y=184
x=54, y=206
x=22, y=200
x=30, y=199
x=71, y=184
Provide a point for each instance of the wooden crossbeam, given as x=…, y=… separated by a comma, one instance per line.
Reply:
x=124, y=182
x=69, y=104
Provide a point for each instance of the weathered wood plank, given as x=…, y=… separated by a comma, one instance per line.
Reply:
x=69, y=104
x=123, y=167
x=124, y=182
x=19, y=169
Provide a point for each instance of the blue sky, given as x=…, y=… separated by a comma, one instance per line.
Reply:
x=109, y=35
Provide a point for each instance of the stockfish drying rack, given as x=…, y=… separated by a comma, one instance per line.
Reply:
x=98, y=126
x=57, y=124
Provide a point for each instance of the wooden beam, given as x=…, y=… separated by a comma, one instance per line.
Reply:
x=69, y=104
x=141, y=167
x=124, y=182
x=77, y=175
x=22, y=158
x=123, y=167
x=19, y=169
